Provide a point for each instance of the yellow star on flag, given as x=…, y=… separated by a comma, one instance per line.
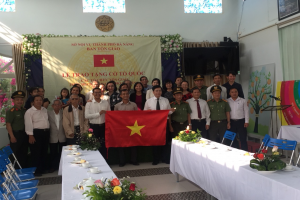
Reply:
x=135, y=129
x=103, y=61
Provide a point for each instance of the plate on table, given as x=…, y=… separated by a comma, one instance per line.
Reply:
x=289, y=170
x=76, y=163
x=74, y=154
x=94, y=172
x=73, y=146
x=266, y=172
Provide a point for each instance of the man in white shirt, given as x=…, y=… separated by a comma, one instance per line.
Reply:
x=200, y=116
x=160, y=103
x=217, y=81
x=95, y=112
x=89, y=94
x=239, y=118
x=37, y=127
x=57, y=133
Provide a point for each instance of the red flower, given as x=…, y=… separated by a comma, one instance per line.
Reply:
x=260, y=156
x=255, y=155
x=115, y=182
x=132, y=187
x=264, y=151
x=187, y=131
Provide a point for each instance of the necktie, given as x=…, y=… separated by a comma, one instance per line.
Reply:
x=157, y=105
x=199, y=110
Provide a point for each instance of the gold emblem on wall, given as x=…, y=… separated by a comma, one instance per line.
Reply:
x=104, y=23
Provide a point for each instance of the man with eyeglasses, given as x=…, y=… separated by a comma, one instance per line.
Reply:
x=74, y=121
x=95, y=112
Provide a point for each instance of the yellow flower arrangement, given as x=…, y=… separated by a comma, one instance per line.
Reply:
x=117, y=190
x=90, y=135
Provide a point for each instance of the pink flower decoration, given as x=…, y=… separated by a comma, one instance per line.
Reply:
x=31, y=44
x=90, y=130
x=5, y=99
x=170, y=45
x=12, y=103
x=172, y=41
x=13, y=81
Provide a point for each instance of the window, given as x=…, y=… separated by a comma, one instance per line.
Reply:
x=202, y=6
x=104, y=6
x=7, y=5
x=7, y=85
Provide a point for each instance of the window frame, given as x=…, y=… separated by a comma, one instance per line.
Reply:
x=106, y=12
x=6, y=67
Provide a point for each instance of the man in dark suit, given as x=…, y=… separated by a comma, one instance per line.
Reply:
x=57, y=135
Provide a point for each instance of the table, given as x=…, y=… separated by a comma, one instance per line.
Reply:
x=227, y=175
x=72, y=174
x=291, y=132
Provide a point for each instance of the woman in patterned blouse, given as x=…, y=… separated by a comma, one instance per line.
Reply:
x=114, y=98
x=186, y=94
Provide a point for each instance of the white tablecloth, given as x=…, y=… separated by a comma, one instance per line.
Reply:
x=227, y=175
x=72, y=175
x=291, y=132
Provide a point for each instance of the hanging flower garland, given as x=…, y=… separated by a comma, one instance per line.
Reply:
x=170, y=44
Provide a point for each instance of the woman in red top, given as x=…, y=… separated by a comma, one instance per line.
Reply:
x=138, y=96
x=186, y=94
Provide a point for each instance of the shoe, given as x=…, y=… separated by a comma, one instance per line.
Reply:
x=122, y=164
x=134, y=163
x=155, y=163
x=37, y=174
x=51, y=170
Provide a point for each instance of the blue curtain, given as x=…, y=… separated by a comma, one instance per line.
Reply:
x=35, y=76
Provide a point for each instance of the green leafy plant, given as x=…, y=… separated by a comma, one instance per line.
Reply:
x=88, y=141
x=189, y=136
x=114, y=189
x=264, y=162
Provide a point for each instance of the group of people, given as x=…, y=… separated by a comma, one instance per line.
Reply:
x=212, y=110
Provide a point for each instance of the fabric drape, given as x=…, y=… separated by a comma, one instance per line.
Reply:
x=289, y=42
x=208, y=81
x=18, y=58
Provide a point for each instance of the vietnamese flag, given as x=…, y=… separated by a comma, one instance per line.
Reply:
x=135, y=128
x=104, y=61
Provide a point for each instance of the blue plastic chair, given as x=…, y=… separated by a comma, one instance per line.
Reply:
x=12, y=185
x=18, y=194
x=264, y=142
x=230, y=136
x=288, y=145
x=18, y=177
x=8, y=151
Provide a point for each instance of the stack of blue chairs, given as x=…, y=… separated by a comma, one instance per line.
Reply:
x=16, y=185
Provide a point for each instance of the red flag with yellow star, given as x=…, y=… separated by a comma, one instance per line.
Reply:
x=104, y=61
x=135, y=128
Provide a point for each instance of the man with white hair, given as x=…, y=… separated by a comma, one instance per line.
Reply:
x=74, y=121
x=129, y=84
x=89, y=95
x=57, y=134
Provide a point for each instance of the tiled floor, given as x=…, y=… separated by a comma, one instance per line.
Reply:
x=159, y=183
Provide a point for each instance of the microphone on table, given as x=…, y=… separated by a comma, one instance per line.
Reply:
x=276, y=98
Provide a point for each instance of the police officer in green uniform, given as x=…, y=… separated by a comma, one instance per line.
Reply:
x=219, y=114
x=180, y=118
x=16, y=128
x=199, y=83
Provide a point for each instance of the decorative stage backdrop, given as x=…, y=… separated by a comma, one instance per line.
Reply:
x=289, y=92
x=81, y=60
x=260, y=87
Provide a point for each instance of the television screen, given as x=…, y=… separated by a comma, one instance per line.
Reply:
x=211, y=60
